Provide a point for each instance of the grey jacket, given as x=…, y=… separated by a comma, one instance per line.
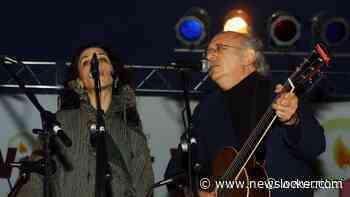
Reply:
x=127, y=148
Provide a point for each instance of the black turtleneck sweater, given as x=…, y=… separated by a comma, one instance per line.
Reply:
x=247, y=102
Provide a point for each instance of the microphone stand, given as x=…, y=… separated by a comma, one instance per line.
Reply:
x=27, y=167
x=103, y=174
x=23, y=179
x=178, y=177
x=188, y=135
x=187, y=144
x=48, y=121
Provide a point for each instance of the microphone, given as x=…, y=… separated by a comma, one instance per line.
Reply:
x=94, y=71
x=56, y=128
x=60, y=133
x=202, y=66
x=34, y=166
x=177, y=177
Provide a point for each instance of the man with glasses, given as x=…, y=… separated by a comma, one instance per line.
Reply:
x=226, y=117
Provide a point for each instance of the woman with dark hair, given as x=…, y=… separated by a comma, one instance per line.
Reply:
x=70, y=98
x=128, y=153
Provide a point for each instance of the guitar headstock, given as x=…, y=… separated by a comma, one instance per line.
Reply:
x=311, y=70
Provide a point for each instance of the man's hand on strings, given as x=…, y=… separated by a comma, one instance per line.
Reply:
x=286, y=106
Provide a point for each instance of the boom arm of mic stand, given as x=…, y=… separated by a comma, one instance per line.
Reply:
x=27, y=92
x=48, y=119
x=24, y=177
x=44, y=119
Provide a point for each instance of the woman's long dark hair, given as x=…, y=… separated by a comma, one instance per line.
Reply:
x=68, y=98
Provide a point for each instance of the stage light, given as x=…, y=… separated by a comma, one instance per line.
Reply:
x=284, y=29
x=330, y=29
x=192, y=28
x=237, y=21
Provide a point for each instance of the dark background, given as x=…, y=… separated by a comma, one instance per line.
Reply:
x=143, y=31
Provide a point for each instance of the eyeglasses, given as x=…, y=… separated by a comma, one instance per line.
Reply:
x=221, y=47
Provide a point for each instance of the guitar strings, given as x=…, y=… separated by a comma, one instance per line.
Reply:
x=257, y=136
x=253, y=138
x=233, y=165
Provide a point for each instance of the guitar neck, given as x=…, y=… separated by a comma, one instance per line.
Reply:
x=308, y=72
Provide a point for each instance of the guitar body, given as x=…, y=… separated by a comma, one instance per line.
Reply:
x=253, y=171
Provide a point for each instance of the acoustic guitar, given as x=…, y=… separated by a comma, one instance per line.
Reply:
x=241, y=166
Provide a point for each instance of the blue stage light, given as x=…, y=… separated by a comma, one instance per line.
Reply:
x=335, y=32
x=330, y=29
x=192, y=29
